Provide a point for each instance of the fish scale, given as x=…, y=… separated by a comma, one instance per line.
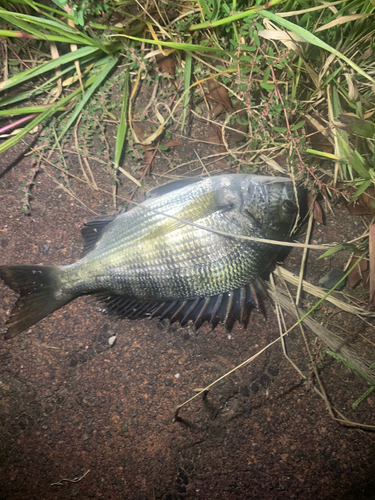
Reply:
x=155, y=259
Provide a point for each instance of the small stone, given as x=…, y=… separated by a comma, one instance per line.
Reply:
x=112, y=340
x=245, y=391
x=332, y=278
x=255, y=388
x=273, y=371
x=168, y=382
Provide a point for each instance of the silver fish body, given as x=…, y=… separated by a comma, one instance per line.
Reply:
x=184, y=248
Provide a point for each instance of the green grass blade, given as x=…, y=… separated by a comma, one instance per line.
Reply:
x=46, y=114
x=23, y=111
x=322, y=153
x=362, y=188
x=364, y=396
x=69, y=34
x=48, y=66
x=205, y=9
x=174, y=45
x=98, y=80
x=355, y=160
x=187, y=81
x=7, y=101
x=349, y=247
x=252, y=12
x=123, y=126
x=314, y=40
x=38, y=8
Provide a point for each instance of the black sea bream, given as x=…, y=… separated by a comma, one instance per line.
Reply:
x=163, y=258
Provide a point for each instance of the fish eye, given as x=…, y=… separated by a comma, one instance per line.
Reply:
x=289, y=206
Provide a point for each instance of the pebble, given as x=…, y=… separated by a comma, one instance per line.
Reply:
x=273, y=371
x=245, y=391
x=264, y=380
x=255, y=388
x=112, y=340
x=331, y=278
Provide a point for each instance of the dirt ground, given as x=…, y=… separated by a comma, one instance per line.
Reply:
x=81, y=419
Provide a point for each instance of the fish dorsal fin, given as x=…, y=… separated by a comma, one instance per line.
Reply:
x=172, y=186
x=93, y=231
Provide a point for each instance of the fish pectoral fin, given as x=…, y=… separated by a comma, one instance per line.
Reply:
x=200, y=208
x=93, y=231
x=172, y=186
x=256, y=223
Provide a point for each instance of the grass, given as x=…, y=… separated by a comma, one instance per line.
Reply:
x=286, y=86
x=285, y=66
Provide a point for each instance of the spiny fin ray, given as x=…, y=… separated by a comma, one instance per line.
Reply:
x=226, y=308
x=93, y=231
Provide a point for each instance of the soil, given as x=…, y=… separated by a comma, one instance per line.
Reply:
x=81, y=419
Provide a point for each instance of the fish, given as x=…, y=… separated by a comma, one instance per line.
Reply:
x=185, y=254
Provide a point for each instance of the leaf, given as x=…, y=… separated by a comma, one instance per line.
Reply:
x=30, y=74
x=173, y=143
x=364, y=204
x=187, y=80
x=42, y=116
x=123, y=125
x=267, y=86
x=282, y=130
x=167, y=64
x=359, y=273
x=205, y=9
x=362, y=189
x=218, y=93
x=298, y=125
x=354, y=159
x=100, y=77
x=174, y=45
x=315, y=208
x=342, y=20
x=314, y=40
x=356, y=126
x=339, y=248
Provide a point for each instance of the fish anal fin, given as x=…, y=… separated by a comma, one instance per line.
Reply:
x=226, y=308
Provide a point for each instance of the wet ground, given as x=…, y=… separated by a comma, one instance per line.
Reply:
x=81, y=419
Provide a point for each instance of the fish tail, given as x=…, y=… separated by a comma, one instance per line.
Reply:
x=38, y=289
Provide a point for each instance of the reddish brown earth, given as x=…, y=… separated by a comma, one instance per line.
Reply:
x=71, y=405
